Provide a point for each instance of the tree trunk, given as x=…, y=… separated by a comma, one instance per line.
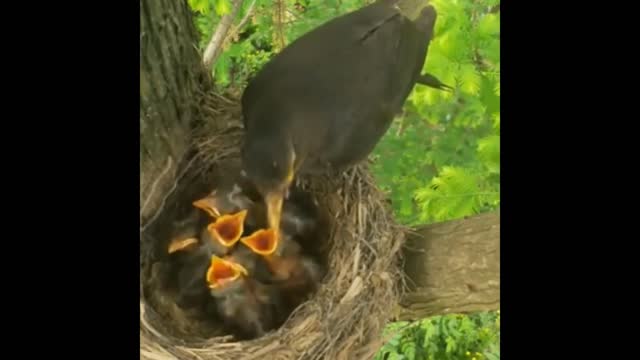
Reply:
x=453, y=266
x=172, y=80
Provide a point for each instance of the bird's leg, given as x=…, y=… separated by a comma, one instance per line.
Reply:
x=432, y=81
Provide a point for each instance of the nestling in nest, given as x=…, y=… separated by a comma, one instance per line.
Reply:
x=224, y=257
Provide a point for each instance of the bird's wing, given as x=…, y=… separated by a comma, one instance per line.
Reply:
x=340, y=56
x=304, y=61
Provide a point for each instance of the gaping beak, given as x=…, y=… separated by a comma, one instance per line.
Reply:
x=228, y=229
x=181, y=244
x=208, y=204
x=223, y=271
x=262, y=242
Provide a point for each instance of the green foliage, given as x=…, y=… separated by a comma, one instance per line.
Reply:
x=439, y=161
x=450, y=194
x=254, y=45
x=448, y=337
x=200, y=6
x=222, y=7
x=253, y=48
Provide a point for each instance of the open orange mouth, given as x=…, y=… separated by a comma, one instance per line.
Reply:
x=223, y=271
x=228, y=228
x=263, y=242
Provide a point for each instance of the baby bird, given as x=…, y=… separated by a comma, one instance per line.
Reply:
x=224, y=233
x=293, y=273
x=252, y=262
x=222, y=202
x=218, y=237
x=250, y=308
x=233, y=192
x=300, y=215
x=190, y=251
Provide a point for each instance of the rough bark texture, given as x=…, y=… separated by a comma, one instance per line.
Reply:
x=171, y=81
x=453, y=267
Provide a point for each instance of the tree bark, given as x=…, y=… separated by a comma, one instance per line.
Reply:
x=171, y=82
x=453, y=267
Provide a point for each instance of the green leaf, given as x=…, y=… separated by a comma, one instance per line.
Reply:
x=222, y=67
x=451, y=345
x=222, y=7
x=470, y=79
x=455, y=45
x=201, y=6
x=450, y=195
x=490, y=52
x=489, y=25
x=489, y=152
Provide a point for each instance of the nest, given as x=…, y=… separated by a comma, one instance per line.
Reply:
x=344, y=318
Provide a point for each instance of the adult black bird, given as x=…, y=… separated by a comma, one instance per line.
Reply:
x=326, y=100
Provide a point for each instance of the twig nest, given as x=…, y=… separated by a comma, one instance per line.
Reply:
x=343, y=319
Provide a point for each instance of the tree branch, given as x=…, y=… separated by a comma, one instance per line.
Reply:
x=453, y=267
x=244, y=20
x=214, y=48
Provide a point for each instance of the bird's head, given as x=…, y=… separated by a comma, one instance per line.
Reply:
x=262, y=242
x=269, y=165
x=228, y=229
x=223, y=271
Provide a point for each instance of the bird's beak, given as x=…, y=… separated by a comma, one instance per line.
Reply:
x=275, y=198
x=223, y=271
x=274, y=209
x=228, y=229
x=208, y=204
x=181, y=244
x=262, y=242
